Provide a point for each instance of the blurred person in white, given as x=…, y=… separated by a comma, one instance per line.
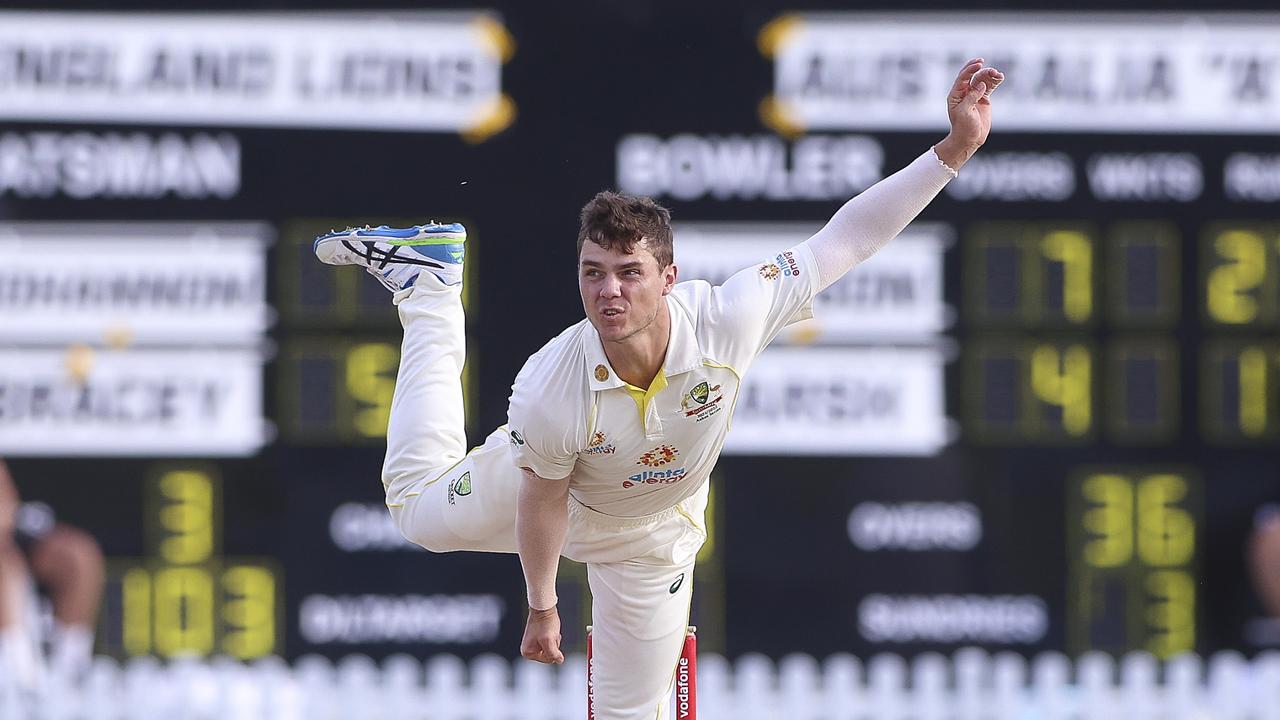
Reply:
x=614, y=425
x=62, y=561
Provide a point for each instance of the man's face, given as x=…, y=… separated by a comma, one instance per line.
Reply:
x=622, y=292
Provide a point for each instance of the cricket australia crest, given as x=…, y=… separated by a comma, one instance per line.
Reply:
x=460, y=487
x=702, y=401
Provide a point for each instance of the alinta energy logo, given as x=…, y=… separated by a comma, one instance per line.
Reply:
x=769, y=271
x=698, y=403
x=600, y=445
x=659, y=456
x=461, y=487
x=787, y=261
x=655, y=477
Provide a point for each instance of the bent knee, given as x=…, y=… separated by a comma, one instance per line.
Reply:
x=436, y=542
x=431, y=536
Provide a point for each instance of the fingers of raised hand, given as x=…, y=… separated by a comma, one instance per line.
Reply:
x=965, y=77
x=989, y=77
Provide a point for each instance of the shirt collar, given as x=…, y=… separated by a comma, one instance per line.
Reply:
x=683, y=354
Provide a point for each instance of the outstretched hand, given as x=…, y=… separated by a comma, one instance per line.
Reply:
x=542, y=637
x=969, y=102
x=969, y=109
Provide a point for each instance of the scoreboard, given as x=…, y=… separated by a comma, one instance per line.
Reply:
x=1047, y=416
x=1033, y=278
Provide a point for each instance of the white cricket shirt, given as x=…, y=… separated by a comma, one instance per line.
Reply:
x=570, y=413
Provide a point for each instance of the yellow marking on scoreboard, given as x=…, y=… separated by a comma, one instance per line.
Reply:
x=1171, y=613
x=1111, y=522
x=1064, y=379
x=1132, y=561
x=1073, y=249
x=1253, y=391
x=494, y=34
x=187, y=517
x=492, y=118
x=1166, y=532
x=249, y=612
x=136, y=610
x=1240, y=390
x=1229, y=284
x=183, y=600
x=778, y=32
x=1010, y=261
x=183, y=611
x=779, y=117
x=370, y=380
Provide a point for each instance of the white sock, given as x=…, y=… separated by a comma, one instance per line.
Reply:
x=71, y=651
x=19, y=657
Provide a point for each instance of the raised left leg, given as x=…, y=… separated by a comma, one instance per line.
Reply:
x=440, y=496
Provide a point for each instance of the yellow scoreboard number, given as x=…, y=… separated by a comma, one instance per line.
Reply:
x=1241, y=274
x=1132, y=545
x=1240, y=396
x=1030, y=274
x=1053, y=275
x=187, y=599
x=1031, y=390
x=333, y=389
x=1036, y=369
x=1240, y=372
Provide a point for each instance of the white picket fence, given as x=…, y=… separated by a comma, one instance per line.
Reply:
x=970, y=685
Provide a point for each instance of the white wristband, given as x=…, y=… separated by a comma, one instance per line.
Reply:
x=948, y=168
x=542, y=604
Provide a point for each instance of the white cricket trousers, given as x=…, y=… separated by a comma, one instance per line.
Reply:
x=443, y=498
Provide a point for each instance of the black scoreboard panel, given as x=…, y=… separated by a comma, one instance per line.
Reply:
x=1115, y=388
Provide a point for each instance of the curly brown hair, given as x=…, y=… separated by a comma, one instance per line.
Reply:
x=618, y=221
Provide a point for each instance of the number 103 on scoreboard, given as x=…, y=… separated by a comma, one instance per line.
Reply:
x=186, y=598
